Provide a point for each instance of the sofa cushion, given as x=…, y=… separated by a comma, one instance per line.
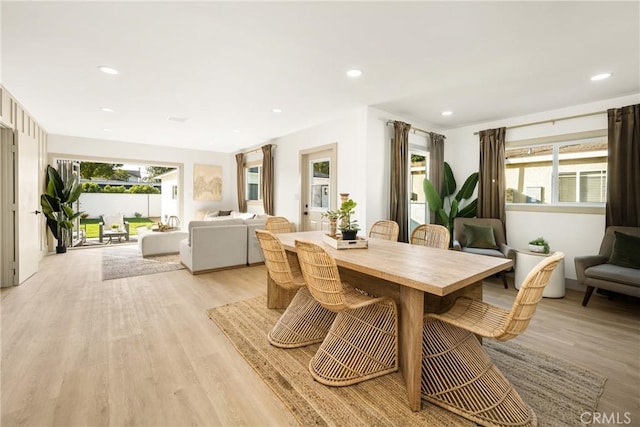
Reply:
x=614, y=273
x=626, y=251
x=209, y=215
x=480, y=237
x=488, y=252
x=224, y=213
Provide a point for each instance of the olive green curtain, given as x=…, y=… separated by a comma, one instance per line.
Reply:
x=267, y=179
x=623, y=169
x=491, y=179
x=436, y=164
x=242, y=198
x=399, y=196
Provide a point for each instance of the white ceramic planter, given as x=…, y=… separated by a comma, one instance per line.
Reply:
x=536, y=248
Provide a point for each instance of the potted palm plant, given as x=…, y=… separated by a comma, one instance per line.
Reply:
x=57, y=205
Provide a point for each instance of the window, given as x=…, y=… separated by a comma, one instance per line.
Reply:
x=570, y=173
x=253, y=176
x=320, y=180
x=174, y=192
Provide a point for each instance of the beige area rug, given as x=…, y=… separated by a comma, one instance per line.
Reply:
x=119, y=262
x=557, y=391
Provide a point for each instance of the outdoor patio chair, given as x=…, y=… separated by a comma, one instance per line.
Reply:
x=113, y=222
x=304, y=321
x=458, y=375
x=386, y=230
x=363, y=340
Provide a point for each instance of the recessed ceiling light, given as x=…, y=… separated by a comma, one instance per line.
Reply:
x=600, y=76
x=236, y=131
x=106, y=109
x=276, y=110
x=447, y=113
x=106, y=130
x=108, y=70
x=354, y=73
x=177, y=119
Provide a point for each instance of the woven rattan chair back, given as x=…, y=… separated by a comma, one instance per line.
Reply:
x=432, y=235
x=321, y=275
x=528, y=297
x=386, y=230
x=278, y=224
x=275, y=258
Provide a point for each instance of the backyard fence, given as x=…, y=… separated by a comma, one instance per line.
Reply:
x=97, y=204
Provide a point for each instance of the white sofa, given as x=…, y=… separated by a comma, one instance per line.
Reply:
x=219, y=244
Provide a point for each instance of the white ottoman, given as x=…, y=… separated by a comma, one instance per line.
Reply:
x=160, y=243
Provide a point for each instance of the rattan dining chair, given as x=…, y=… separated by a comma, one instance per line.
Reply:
x=457, y=374
x=432, y=235
x=363, y=340
x=386, y=230
x=278, y=224
x=304, y=321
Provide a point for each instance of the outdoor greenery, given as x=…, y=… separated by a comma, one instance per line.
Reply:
x=154, y=171
x=92, y=187
x=91, y=225
x=90, y=170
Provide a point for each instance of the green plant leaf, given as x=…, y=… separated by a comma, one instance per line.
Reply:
x=470, y=210
x=443, y=217
x=57, y=187
x=449, y=182
x=469, y=186
x=454, y=209
x=432, y=196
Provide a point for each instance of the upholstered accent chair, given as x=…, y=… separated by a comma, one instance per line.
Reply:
x=469, y=236
x=602, y=271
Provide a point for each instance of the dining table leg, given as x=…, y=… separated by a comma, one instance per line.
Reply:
x=411, y=318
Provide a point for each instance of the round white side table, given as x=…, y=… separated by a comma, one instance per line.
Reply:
x=526, y=260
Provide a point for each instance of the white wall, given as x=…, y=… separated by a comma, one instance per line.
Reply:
x=132, y=153
x=573, y=234
x=169, y=205
x=348, y=133
x=97, y=204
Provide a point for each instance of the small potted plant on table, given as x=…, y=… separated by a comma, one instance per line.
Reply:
x=333, y=217
x=539, y=245
x=348, y=227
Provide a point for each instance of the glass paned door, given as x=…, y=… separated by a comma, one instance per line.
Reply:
x=418, y=211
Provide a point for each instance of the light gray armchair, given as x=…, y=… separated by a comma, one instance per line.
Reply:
x=502, y=250
x=595, y=271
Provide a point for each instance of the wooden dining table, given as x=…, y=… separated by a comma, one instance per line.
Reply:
x=420, y=279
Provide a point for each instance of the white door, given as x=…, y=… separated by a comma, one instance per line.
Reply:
x=318, y=192
x=28, y=204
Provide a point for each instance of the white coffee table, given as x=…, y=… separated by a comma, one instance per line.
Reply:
x=526, y=260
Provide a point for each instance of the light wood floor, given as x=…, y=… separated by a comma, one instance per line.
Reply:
x=141, y=351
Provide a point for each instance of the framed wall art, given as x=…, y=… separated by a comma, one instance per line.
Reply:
x=207, y=182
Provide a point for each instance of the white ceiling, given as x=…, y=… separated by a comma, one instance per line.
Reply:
x=226, y=65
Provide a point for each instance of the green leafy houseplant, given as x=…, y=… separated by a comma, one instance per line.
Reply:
x=540, y=242
x=57, y=205
x=348, y=227
x=445, y=204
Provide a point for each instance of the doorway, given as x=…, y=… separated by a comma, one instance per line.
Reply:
x=318, y=186
x=7, y=212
